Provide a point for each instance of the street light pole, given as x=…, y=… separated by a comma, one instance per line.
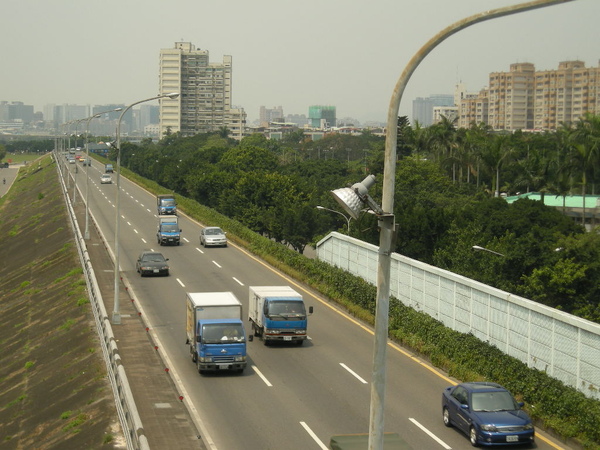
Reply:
x=348, y=218
x=88, y=161
x=116, y=317
x=483, y=249
x=386, y=220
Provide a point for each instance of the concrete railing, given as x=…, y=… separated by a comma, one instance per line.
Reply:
x=564, y=346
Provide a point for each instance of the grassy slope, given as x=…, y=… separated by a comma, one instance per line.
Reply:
x=53, y=387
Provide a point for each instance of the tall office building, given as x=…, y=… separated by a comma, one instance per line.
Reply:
x=423, y=108
x=204, y=103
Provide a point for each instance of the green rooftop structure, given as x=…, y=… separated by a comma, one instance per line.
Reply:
x=570, y=205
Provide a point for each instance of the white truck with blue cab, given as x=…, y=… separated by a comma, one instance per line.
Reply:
x=278, y=313
x=215, y=331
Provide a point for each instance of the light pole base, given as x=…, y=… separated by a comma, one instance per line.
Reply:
x=116, y=318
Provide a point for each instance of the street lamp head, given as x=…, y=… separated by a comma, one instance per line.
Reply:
x=352, y=199
x=173, y=95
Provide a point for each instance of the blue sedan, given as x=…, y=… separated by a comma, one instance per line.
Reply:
x=487, y=413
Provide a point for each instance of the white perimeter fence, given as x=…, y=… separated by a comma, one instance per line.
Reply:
x=564, y=346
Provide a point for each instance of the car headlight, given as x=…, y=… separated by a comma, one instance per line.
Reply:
x=240, y=358
x=205, y=359
x=529, y=426
x=300, y=331
x=272, y=331
x=488, y=427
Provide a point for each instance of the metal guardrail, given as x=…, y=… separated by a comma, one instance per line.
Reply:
x=129, y=417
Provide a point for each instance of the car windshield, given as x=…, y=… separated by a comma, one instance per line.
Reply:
x=493, y=401
x=153, y=257
x=219, y=333
x=213, y=231
x=287, y=309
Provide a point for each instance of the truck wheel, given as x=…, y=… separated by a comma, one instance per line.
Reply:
x=200, y=371
x=193, y=355
x=300, y=342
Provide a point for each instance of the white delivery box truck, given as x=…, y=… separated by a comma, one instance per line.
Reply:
x=215, y=331
x=278, y=313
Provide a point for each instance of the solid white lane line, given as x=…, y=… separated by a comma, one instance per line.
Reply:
x=354, y=373
x=314, y=436
x=430, y=434
x=259, y=373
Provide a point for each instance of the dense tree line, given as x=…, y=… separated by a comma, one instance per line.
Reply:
x=447, y=196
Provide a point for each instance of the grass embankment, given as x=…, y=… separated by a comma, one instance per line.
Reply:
x=53, y=387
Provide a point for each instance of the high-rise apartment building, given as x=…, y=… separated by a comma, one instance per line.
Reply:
x=473, y=108
x=204, y=103
x=523, y=99
x=511, y=98
x=566, y=94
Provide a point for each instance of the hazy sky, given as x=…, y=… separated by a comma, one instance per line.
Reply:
x=293, y=54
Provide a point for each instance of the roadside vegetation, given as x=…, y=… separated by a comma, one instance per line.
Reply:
x=265, y=193
x=54, y=392
x=446, y=198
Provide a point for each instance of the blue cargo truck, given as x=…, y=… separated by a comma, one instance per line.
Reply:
x=215, y=331
x=278, y=313
x=168, y=232
x=166, y=204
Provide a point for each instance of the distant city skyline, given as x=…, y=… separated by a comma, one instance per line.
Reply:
x=332, y=53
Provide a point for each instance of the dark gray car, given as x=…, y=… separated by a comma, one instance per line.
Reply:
x=152, y=263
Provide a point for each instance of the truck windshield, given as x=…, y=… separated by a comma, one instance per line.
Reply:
x=170, y=227
x=286, y=310
x=217, y=333
x=167, y=202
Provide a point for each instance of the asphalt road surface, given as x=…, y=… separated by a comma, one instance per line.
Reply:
x=288, y=397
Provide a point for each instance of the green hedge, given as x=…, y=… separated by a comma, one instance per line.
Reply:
x=563, y=409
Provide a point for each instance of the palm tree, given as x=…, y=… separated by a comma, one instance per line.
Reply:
x=495, y=154
x=585, y=152
x=444, y=140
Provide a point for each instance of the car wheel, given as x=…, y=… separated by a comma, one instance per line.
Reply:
x=473, y=436
x=446, y=417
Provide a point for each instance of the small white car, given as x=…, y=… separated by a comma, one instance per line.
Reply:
x=213, y=236
x=105, y=179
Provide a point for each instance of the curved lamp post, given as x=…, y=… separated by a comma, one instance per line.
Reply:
x=348, y=219
x=88, y=161
x=116, y=317
x=385, y=213
x=483, y=249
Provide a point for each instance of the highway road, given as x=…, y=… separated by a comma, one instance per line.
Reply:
x=289, y=397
